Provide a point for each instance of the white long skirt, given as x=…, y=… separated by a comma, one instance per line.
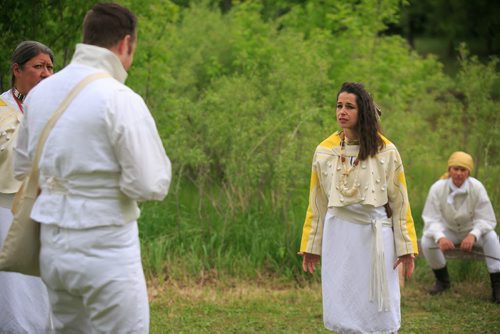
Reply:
x=346, y=275
x=24, y=303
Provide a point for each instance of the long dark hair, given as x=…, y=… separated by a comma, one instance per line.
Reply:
x=368, y=127
x=27, y=50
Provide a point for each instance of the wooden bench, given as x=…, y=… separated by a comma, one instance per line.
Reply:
x=453, y=254
x=458, y=254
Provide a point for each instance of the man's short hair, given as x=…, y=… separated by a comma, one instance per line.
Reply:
x=107, y=23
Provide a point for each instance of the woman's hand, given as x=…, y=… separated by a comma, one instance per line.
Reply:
x=310, y=261
x=408, y=264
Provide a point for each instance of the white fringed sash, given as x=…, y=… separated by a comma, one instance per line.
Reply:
x=378, y=284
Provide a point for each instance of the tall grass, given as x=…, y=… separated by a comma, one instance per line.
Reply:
x=180, y=240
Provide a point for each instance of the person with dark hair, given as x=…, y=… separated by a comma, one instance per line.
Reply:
x=24, y=303
x=31, y=62
x=358, y=220
x=458, y=211
x=103, y=155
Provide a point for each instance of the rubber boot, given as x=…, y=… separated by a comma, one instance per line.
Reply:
x=495, y=287
x=442, y=281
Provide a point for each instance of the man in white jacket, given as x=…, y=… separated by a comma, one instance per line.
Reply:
x=103, y=155
x=458, y=211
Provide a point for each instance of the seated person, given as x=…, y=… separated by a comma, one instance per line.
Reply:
x=459, y=212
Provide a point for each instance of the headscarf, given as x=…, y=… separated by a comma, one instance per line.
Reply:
x=460, y=159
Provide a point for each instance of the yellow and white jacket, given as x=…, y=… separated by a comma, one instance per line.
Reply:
x=381, y=180
x=10, y=118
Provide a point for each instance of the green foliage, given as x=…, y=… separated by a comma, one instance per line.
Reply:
x=57, y=24
x=235, y=104
x=337, y=17
x=243, y=91
x=454, y=22
x=242, y=101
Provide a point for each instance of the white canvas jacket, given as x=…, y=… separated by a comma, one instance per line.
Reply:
x=475, y=215
x=104, y=153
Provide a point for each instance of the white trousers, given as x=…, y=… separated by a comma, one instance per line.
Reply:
x=95, y=279
x=24, y=303
x=489, y=242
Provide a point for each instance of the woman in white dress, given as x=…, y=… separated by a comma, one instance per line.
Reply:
x=358, y=220
x=24, y=305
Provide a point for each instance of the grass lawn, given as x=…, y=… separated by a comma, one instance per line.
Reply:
x=276, y=307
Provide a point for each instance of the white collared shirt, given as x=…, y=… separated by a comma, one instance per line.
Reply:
x=103, y=155
x=470, y=212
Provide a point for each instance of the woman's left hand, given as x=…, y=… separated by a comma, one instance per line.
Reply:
x=408, y=264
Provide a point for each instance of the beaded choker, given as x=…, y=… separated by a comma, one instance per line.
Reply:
x=342, y=186
x=18, y=94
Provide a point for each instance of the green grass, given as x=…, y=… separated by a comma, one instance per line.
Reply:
x=239, y=307
x=274, y=306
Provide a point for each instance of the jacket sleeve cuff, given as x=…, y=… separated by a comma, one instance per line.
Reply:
x=475, y=232
x=438, y=236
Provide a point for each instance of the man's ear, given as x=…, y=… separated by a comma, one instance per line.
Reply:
x=130, y=44
x=121, y=46
x=125, y=46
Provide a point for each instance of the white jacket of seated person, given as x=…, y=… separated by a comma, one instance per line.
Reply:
x=462, y=210
x=103, y=155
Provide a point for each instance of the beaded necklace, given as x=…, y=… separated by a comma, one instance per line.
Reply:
x=18, y=97
x=18, y=94
x=342, y=186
